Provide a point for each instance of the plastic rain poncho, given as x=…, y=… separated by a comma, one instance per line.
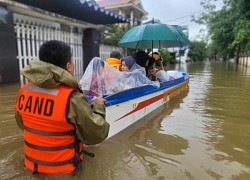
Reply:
x=164, y=76
x=102, y=79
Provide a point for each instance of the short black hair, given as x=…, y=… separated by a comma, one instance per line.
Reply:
x=141, y=58
x=115, y=54
x=55, y=52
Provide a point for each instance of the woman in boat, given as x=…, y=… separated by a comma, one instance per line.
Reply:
x=135, y=75
x=128, y=64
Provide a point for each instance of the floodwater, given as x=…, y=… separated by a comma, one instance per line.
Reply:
x=203, y=134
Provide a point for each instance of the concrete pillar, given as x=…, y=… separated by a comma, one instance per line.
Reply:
x=131, y=18
x=91, y=46
x=9, y=72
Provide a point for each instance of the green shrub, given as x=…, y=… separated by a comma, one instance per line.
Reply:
x=166, y=56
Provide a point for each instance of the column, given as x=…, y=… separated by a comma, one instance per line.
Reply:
x=91, y=46
x=9, y=71
x=131, y=18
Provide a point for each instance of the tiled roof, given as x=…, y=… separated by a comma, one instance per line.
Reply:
x=83, y=10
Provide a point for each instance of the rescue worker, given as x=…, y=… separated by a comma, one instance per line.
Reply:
x=114, y=59
x=55, y=116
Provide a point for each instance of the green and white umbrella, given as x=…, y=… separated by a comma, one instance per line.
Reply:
x=153, y=35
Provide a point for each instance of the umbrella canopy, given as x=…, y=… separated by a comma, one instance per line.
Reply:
x=184, y=39
x=153, y=35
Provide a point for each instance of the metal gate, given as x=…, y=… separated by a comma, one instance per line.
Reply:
x=30, y=34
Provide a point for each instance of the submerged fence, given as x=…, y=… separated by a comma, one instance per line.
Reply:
x=30, y=36
x=105, y=50
x=32, y=32
x=244, y=59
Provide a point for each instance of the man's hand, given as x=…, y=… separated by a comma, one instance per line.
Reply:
x=160, y=59
x=100, y=98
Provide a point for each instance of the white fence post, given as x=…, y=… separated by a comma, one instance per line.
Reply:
x=105, y=50
x=19, y=48
x=30, y=36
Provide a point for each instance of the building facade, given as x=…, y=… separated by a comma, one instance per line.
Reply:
x=25, y=25
x=129, y=8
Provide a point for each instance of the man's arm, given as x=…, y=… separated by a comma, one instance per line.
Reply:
x=161, y=63
x=89, y=118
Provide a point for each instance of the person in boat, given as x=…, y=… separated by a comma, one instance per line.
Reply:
x=128, y=64
x=114, y=59
x=101, y=79
x=151, y=70
x=141, y=58
x=94, y=84
x=54, y=114
x=134, y=73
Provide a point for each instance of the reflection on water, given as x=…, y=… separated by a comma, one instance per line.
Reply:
x=230, y=116
x=141, y=151
x=203, y=134
x=10, y=137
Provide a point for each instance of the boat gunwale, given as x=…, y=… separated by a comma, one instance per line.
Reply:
x=137, y=92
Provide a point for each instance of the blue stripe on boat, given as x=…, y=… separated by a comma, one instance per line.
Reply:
x=133, y=93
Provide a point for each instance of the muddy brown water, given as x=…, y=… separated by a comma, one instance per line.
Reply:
x=203, y=134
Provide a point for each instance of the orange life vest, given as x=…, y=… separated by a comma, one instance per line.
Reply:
x=51, y=145
x=116, y=63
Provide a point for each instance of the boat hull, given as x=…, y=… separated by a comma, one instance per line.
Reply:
x=123, y=114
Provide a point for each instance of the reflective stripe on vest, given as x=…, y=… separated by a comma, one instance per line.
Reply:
x=51, y=145
x=68, y=146
x=46, y=133
x=70, y=161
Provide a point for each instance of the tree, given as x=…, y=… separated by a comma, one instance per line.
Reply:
x=229, y=27
x=112, y=34
x=197, y=50
x=242, y=24
x=165, y=55
x=212, y=51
